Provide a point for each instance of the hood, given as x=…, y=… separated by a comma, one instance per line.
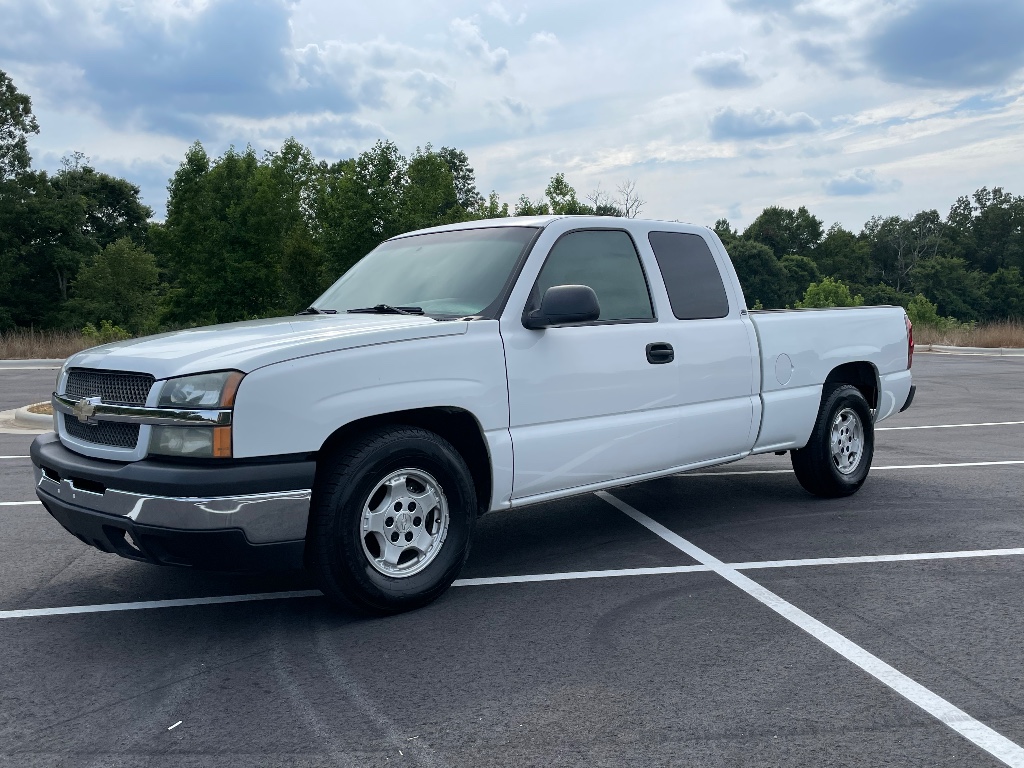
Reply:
x=253, y=344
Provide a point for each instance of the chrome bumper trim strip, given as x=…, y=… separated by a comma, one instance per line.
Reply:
x=263, y=517
x=90, y=411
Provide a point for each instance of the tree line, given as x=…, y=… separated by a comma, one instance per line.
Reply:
x=249, y=236
x=966, y=267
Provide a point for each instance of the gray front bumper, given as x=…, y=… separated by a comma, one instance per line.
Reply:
x=262, y=517
x=267, y=500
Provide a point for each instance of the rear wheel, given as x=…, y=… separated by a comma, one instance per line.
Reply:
x=391, y=520
x=837, y=458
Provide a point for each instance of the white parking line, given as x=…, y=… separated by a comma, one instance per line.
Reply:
x=19, y=503
x=14, y=457
x=977, y=732
x=150, y=604
x=910, y=557
x=952, y=426
x=873, y=469
x=527, y=578
x=573, y=575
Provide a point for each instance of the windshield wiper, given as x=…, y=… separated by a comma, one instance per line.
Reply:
x=387, y=309
x=315, y=311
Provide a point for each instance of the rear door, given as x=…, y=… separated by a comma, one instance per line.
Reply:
x=718, y=367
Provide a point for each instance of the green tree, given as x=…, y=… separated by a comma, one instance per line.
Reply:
x=786, y=231
x=295, y=183
x=800, y=271
x=829, y=293
x=464, y=179
x=725, y=231
x=1005, y=292
x=526, y=207
x=119, y=285
x=844, y=256
x=898, y=245
x=361, y=205
x=16, y=124
x=227, y=228
x=493, y=208
x=562, y=198
x=989, y=229
x=955, y=288
x=602, y=204
x=923, y=313
x=762, y=277
x=880, y=293
x=430, y=197
x=110, y=207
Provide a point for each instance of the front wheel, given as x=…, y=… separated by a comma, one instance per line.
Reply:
x=836, y=460
x=391, y=520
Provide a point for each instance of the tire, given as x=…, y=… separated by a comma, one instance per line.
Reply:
x=837, y=468
x=366, y=495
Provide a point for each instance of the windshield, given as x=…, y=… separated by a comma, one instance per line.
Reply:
x=453, y=274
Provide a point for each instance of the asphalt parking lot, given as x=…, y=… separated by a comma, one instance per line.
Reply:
x=722, y=618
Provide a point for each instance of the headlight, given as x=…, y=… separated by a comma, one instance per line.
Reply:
x=198, y=442
x=206, y=390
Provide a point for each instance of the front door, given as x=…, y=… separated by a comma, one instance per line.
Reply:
x=586, y=404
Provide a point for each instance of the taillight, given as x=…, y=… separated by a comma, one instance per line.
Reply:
x=910, y=342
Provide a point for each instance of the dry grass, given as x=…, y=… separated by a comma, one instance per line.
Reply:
x=1005, y=334
x=43, y=408
x=28, y=344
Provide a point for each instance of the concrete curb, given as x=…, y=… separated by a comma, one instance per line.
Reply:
x=988, y=351
x=10, y=426
x=25, y=417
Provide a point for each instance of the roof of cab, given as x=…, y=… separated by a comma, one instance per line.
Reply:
x=544, y=221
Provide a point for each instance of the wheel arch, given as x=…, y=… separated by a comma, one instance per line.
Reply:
x=860, y=374
x=456, y=425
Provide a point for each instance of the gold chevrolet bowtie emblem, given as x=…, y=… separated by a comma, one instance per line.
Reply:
x=85, y=408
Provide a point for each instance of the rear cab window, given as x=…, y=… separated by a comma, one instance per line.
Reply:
x=692, y=278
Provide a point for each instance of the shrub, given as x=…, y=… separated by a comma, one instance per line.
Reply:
x=106, y=333
x=829, y=293
x=923, y=313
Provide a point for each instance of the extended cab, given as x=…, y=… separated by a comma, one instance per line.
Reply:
x=451, y=372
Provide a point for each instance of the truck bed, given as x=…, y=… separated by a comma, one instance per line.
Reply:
x=798, y=349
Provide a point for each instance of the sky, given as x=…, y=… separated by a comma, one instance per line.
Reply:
x=715, y=108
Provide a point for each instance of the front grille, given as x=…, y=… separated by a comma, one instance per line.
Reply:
x=114, y=434
x=115, y=388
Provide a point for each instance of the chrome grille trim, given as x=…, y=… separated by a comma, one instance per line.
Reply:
x=115, y=387
x=111, y=433
x=130, y=414
x=127, y=388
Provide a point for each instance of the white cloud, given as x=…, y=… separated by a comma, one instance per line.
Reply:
x=860, y=182
x=725, y=69
x=466, y=34
x=758, y=123
x=789, y=118
x=498, y=11
x=543, y=39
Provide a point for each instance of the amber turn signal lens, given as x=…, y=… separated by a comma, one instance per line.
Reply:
x=222, y=442
x=227, y=395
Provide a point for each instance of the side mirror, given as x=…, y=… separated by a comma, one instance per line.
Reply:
x=564, y=304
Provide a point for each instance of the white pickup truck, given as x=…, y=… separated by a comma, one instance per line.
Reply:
x=454, y=371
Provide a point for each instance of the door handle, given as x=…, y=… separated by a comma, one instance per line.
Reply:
x=660, y=352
